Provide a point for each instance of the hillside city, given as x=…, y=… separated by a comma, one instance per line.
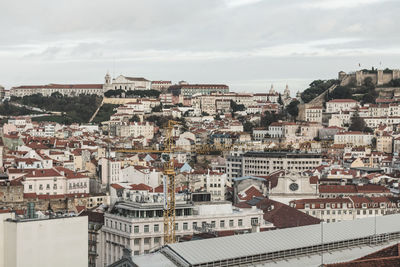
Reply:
x=139, y=172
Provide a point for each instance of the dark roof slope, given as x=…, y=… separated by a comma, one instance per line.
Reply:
x=284, y=216
x=386, y=257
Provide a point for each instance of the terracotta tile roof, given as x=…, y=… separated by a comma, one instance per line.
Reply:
x=70, y=174
x=284, y=216
x=141, y=187
x=30, y=195
x=117, y=186
x=32, y=173
x=369, y=188
x=250, y=193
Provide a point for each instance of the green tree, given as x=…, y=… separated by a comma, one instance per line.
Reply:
x=368, y=98
x=269, y=118
x=135, y=118
x=373, y=143
x=358, y=124
x=368, y=82
x=248, y=127
x=280, y=101
x=237, y=107
x=341, y=92
x=293, y=108
x=316, y=88
x=157, y=108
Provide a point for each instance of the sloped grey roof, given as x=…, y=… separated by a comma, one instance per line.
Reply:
x=210, y=250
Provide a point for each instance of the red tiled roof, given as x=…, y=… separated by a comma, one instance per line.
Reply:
x=117, y=186
x=61, y=86
x=342, y=101
x=250, y=193
x=284, y=216
x=30, y=195
x=41, y=173
x=70, y=174
x=369, y=188
x=141, y=187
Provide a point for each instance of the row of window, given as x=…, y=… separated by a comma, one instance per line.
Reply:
x=345, y=212
x=156, y=228
x=280, y=162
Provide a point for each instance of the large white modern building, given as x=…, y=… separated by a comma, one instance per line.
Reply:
x=53, y=242
x=139, y=226
x=265, y=163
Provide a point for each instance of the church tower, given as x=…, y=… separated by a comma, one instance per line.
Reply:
x=107, y=82
x=286, y=92
x=272, y=90
x=107, y=79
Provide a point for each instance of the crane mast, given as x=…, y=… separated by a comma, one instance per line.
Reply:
x=169, y=187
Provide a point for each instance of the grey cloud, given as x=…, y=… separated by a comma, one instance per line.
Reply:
x=199, y=40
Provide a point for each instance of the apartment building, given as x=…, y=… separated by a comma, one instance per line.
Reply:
x=276, y=130
x=160, y=85
x=339, y=105
x=384, y=143
x=139, y=226
x=347, y=208
x=368, y=190
x=353, y=138
x=260, y=134
x=54, y=182
x=212, y=182
x=204, y=89
x=109, y=171
x=234, y=165
x=314, y=114
x=264, y=163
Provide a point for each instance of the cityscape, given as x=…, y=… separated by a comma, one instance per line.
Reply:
x=134, y=154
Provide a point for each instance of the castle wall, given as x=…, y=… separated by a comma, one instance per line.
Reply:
x=378, y=78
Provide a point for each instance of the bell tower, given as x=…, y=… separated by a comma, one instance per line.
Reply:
x=272, y=90
x=286, y=92
x=107, y=79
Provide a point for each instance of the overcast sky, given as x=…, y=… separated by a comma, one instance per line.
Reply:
x=247, y=44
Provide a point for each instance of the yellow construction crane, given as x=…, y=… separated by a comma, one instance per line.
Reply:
x=169, y=175
x=169, y=187
x=168, y=181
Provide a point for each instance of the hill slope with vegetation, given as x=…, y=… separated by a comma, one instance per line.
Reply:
x=74, y=109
